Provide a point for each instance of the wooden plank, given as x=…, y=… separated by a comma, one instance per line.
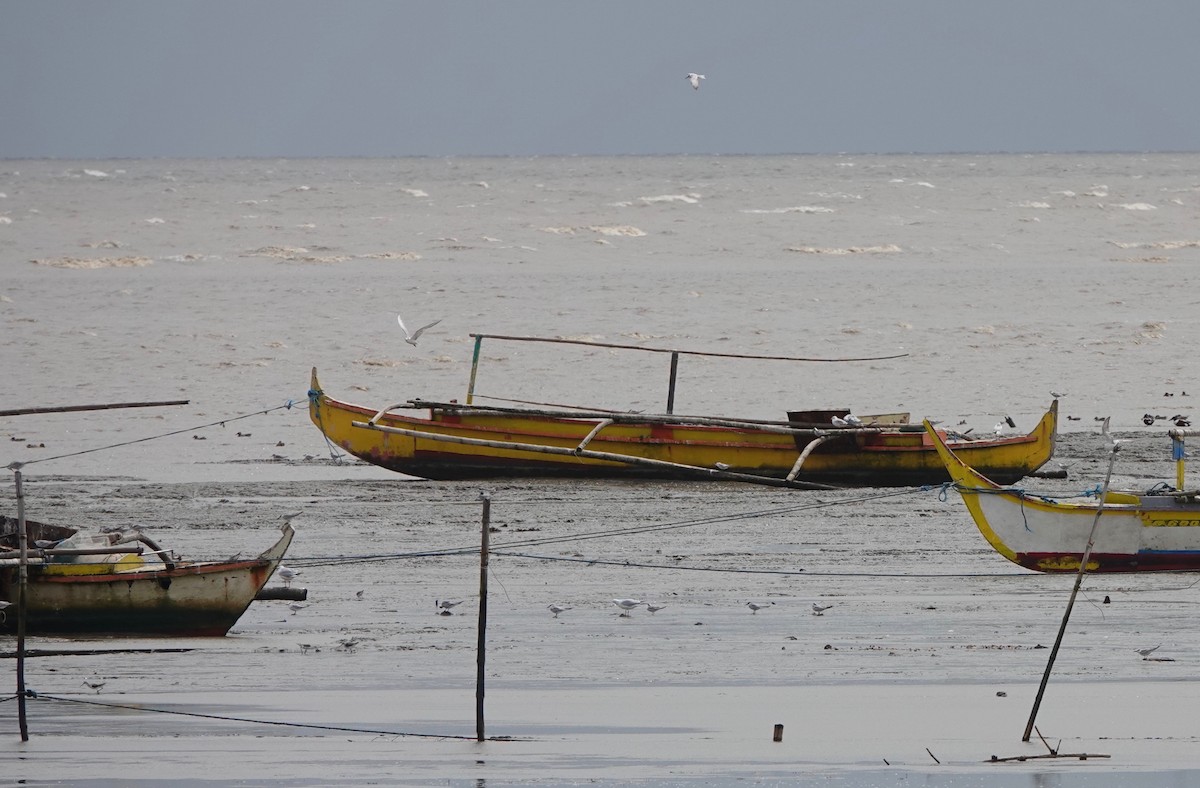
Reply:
x=105, y=406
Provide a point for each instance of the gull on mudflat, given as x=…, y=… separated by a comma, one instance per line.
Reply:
x=411, y=336
x=556, y=609
x=695, y=78
x=653, y=608
x=95, y=683
x=757, y=606
x=445, y=605
x=296, y=607
x=1145, y=652
x=819, y=610
x=287, y=574
x=359, y=594
x=626, y=605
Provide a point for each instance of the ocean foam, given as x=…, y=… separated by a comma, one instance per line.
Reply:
x=884, y=249
x=623, y=229
x=96, y=173
x=1033, y=204
x=1136, y=206
x=690, y=199
x=5, y=220
x=94, y=262
x=796, y=209
x=415, y=192
x=404, y=256
x=1166, y=245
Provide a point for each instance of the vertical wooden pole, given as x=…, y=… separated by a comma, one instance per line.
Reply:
x=474, y=369
x=483, y=573
x=671, y=384
x=1087, y=553
x=22, y=577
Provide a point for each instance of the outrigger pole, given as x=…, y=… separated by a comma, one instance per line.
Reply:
x=675, y=354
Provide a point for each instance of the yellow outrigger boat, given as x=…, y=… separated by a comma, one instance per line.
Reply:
x=812, y=449
x=1132, y=531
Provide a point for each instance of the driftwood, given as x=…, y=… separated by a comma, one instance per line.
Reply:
x=282, y=592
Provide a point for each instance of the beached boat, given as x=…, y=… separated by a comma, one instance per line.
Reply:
x=1156, y=530
x=77, y=585
x=457, y=441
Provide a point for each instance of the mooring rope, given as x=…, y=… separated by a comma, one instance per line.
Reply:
x=340, y=728
x=221, y=423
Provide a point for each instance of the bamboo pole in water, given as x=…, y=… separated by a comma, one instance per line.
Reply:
x=482, y=644
x=1087, y=553
x=105, y=406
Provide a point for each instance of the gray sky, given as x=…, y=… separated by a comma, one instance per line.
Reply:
x=292, y=78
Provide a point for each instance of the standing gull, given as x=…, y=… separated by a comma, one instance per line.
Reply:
x=694, y=78
x=653, y=608
x=287, y=574
x=819, y=610
x=1145, y=652
x=411, y=337
x=556, y=609
x=445, y=605
x=757, y=606
x=626, y=605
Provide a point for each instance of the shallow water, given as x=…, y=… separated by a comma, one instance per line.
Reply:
x=998, y=284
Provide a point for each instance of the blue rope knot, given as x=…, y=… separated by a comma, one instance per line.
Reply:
x=1092, y=492
x=313, y=394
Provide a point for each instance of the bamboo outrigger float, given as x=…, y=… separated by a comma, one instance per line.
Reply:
x=1156, y=530
x=468, y=441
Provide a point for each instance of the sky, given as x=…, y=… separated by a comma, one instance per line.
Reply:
x=81, y=79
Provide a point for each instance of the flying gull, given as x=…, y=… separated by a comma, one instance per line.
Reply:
x=411, y=337
x=694, y=78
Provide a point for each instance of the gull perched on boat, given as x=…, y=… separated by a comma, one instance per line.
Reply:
x=626, y=605
x=853, y=421
x=287, y=574
x=556, y=609
x=757, y=606
x=694, y=78
x=838, y=421
x=819, y=609
x=1145, y=652
x=411, y=336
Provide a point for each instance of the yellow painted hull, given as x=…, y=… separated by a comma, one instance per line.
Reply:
x=892, y=457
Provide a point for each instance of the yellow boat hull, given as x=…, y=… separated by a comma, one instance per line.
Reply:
x=893, y=456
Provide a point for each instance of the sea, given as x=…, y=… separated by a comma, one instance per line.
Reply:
x=967, y=289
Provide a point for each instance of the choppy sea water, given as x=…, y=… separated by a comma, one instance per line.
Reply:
x=1001, y=277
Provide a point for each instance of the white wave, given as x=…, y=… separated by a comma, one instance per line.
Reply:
x=884, y=249
x=94, y=262
x=1167, y=245
x=690, y=199
x=5, y=220
x=156, y=220
x=1136, y=206
x=623, y=229
x=3, y=196
x=1033, y=204
x=926, y=184
x=1066, y=193
x=96, y=173
x=482, y=184
x=621, y=204
x=415, y=192
x=796, y=209
x=404, y=256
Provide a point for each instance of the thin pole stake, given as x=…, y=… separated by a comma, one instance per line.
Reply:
x=22, y=577
x=483, y=575
x=1087, y=553
x=671, y=383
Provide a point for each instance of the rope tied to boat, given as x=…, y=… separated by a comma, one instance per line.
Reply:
x=314, y=401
